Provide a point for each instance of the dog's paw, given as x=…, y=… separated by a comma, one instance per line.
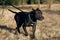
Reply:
x=32, y=36
x=26, y=34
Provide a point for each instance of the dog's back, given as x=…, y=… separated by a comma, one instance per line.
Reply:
x=20, y=17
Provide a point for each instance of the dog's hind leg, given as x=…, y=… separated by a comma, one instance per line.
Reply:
x=18, y=27
x=17, y=31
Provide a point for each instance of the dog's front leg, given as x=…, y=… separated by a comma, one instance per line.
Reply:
x=33, y=30
x=24, y=28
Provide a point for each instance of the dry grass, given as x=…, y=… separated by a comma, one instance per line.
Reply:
x=48, y=29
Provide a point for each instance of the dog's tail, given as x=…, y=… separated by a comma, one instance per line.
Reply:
x=12, y=11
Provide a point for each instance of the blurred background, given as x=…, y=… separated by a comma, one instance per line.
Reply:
x=48, y=29
x=29, y=2
x=21, y=2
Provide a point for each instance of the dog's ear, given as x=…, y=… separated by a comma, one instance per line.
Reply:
x=33, y=9
x=37, y=9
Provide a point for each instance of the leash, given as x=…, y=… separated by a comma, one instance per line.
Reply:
x=15, y=7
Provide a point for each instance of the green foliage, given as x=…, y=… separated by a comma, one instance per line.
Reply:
x=17, y=2
x=14, y=2
x=56, y=1
x=30, y=1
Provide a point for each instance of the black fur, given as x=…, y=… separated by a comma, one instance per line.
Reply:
x=27, y=19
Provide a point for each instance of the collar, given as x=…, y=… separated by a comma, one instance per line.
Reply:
x=30, y=20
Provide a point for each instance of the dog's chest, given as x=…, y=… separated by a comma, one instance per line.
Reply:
x=29, y=21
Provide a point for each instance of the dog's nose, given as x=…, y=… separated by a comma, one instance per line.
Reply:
x=42, y=17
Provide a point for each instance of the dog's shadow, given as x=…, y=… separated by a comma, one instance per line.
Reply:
x=11, y=30
x=4, y=27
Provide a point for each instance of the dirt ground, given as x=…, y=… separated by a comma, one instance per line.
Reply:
x=48, y=29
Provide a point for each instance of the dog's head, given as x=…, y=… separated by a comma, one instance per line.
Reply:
x=38, y=14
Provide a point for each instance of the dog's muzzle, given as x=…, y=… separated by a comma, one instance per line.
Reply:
x=41, y=18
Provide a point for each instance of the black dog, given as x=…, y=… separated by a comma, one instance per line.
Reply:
x=27, y=19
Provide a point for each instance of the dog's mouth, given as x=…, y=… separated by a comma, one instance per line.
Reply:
x=41, y=18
